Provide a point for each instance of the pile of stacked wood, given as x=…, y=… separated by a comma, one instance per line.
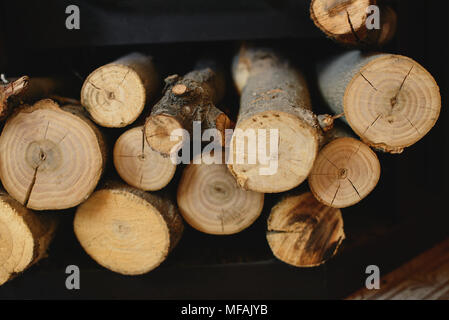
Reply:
x=54, y=153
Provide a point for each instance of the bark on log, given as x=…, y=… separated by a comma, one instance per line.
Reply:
x=345, y=21
x=50, y=157
x=211, y=201
x=139, y=165
x=187, y=99
x=273, y=96
x=115, y=94
x=127, y=230
x=390, y=101
x=26, y=90
x=24, y=237
x=345, y=171
x=304, y=232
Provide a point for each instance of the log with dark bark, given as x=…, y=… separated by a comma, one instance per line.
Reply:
x=50, y=157
x=192, y=97
x=390, y=101
x=116, y=93
x=274, y=96
x=304, y=232
x=127, y=230
x=24, y=237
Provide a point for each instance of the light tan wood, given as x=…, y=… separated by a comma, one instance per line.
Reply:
x=274, y=96
x=425, y=277
x=50, y=158
x=342, y=20
x=345, y=172
x=390, y=101
x=139, y=165
x=127, y=230
x=115, y=94
x=345, y=21
x=211, y=201
x=186, y=99
x=304, y=232
x=24, y=237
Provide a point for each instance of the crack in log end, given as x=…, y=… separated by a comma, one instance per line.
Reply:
x=394, y=100
x=335, y=195
x=369, y=82
x=372, y=124
x=30, y=188
x=354, y=33
x=357, y=191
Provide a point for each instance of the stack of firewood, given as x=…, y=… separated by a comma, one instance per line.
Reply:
x=54, y=152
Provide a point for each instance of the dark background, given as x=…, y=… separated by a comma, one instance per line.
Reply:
x=405, y=215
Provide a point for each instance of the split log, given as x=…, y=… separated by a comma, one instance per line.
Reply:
x=345, y=21
x=390, y=101
x=115, y=94
x=345, y=171
x=211, y=201
x=50, y=157
x=26, y=90
x=187, y=99
x=24, y=237
x=139, y=165
x=127, y=230
x=274, y=95
x=304, y=232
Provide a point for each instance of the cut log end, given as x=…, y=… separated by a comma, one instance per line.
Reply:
x=54, y=160
x=114, y=95
x=125, y=232
x=343, y=20
x=24, y=237
x=303, y=232
x=139, y=165
x=297, y=148
x=158, y=133
x=211, y=201
x=401, y=103
x=345, y=171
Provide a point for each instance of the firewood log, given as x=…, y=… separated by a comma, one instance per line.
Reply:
x=116, y=93
x=24, y=237
x=390, y=101
x=192, y=97
x=50, y=157
x=211, y=201
x=139, y=165
x=345, y=21
x=345, y=171
x=274, y=95
x=304, y=232
x=26, y=90
x=127, y=230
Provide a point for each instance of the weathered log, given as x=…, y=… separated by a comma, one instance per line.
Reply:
x=50, y=157
x=116, y=93
x=139, y=165
x=304, y=232
x=274, y=95
x=24, y=237
x=127, y=230
x=345, y=171
x=192, y=97
x=390, y=101
x=211, y=201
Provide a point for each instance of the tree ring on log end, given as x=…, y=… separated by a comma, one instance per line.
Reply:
x=297, y=149
x=392, y=103
x=158, y=131
x=345, y=171
x=122, y=232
